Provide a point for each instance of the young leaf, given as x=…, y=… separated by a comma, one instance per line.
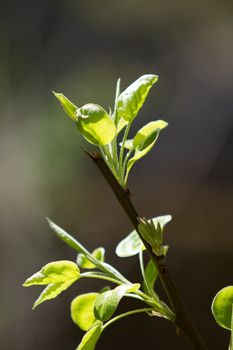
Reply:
x=151, y=274
x=121, y=124
x=107, y=302
x=67, y=105
x=162, y=220
x=148, y=134
x=85, y=263
x=82, y=310
x=54, y=272
x=90, y=339
x=59, y=275
x=130, y=245
x=131, y=100
x=68, y=239
x=144, y=141
x=95, y=124
x=53, y=290
x=222, y=307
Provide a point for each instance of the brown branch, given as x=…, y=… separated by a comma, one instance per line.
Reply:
x=182, y=319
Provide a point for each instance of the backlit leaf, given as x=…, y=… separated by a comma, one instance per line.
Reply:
x=85, y=263
x=151, y=274
x=107, y=302
x=67, y=105
x=82, y=310
x=144, y=141
x=90, y=339
x=162, y=220
x=130, y=245
x=54, y=272
x=222, y=307
x=131, y=100
x=148, y=134
x=95, y=124
x=53, y=290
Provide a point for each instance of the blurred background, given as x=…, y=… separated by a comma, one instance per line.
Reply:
x=80, y=48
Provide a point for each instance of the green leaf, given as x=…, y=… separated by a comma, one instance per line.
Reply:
x=68, y=239
x=231, y=340
x=90, y=339
x=148, y=134
x=107, y=302
x=53, y=290
x=222, y=307
x=130, y=245
x=144, y=141
x=131, y=100
x=151, y=274
x=54, y=272
x=95, y=124
x=162, y=220
x=67, y=105
x=59, y=275
x=121, y=124
x=85, y=263
x=82, y=310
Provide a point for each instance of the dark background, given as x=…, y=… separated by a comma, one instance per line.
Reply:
x=80, y=48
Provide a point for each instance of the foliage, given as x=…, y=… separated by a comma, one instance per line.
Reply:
x=94, y=311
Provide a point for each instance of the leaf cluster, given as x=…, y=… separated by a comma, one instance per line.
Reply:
x=92, y=312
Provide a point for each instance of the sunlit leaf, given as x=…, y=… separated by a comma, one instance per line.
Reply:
x=131, y=100
x=67, y=105
x=222, y=307
x=54, y=272
x=121, y=124
x=59, y=275
x=82, y=310
x=144, y=141
x=85, y=263
x=162, y=220
x=95, y=124
x=53, y=290
x=148, y=134
x=90, y=339
x=130, y=245
x=107, y=302
x=151, y=274
x=68, y=239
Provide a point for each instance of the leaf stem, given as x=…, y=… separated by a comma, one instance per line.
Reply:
x=128, y=313
x=121, y=172
x=100, y=276
x=182, y=319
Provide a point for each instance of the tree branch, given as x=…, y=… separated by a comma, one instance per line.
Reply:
x=182, y=319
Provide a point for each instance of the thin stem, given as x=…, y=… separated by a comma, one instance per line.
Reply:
x=129, y=313
x=125, y=164
x=141, y=263
x=109, y=160
x=126, y=132
x=102, y=277
x=182, y=319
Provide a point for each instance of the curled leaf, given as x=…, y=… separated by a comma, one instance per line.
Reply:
x=95, y=124
x=130, y=245
x=144, y=141
x=222, y=307
x=67, y=105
